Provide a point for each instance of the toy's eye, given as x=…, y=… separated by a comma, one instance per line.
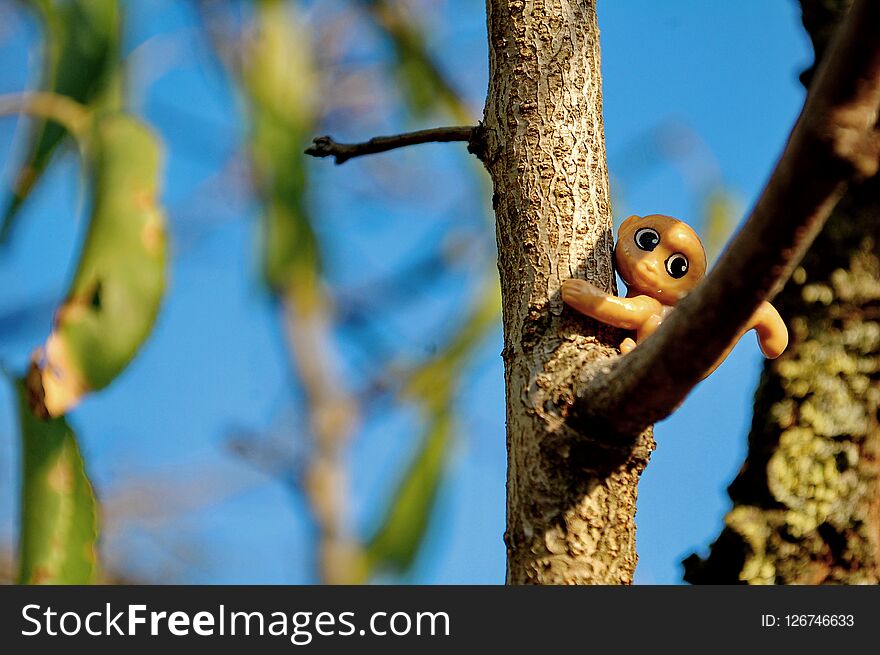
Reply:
x=647, y=238
x=677, y=265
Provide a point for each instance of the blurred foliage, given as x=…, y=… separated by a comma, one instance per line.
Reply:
x=115, y=291
x=720, y=211
x=59, y=524
x=120, y=279
x=426, y=88
x=280, y=84
x=396, y=543
x=80, y=54
x=432, y=386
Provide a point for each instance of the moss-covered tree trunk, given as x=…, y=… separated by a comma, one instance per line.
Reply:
x=807, y=500
x=571, y=496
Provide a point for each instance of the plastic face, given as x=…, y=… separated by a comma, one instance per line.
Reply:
x=659, y=256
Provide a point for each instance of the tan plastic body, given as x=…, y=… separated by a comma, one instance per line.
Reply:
x=661, y=259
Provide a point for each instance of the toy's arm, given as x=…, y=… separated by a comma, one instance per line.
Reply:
x=771, y=330
x=625, y=313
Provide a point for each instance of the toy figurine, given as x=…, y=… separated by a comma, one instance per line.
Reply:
x=661, y=260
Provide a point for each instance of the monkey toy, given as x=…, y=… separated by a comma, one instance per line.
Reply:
x=661, y=259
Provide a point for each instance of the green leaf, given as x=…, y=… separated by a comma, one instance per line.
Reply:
x=81, y=53
x=59, y=516
x=396, y=543
x=280, y=83
x=119, y=282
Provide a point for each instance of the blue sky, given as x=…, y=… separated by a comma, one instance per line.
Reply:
x=154, y=441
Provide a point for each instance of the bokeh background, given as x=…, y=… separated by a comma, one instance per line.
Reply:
x=198, y=451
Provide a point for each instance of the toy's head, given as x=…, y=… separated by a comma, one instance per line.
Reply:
x=659, y=256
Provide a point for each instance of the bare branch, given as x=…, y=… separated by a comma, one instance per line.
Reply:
x=325, y=146
x=833, y=144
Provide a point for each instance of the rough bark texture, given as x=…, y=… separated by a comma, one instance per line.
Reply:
x=807, y=500
x=571, y=501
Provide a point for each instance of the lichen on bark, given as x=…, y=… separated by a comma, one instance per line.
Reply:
x=807, y=500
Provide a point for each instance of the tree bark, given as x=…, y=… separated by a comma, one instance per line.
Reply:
x=571, y=497
x=807, y=500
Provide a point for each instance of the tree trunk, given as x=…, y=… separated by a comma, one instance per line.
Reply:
x=571, y=497
x=807, y=500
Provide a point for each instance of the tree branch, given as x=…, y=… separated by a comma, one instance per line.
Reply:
x=833, y=144
x=325, y=146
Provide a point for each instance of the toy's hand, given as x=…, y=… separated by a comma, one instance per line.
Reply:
x=582, y=296
x=626, y=313
x=771, y=330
